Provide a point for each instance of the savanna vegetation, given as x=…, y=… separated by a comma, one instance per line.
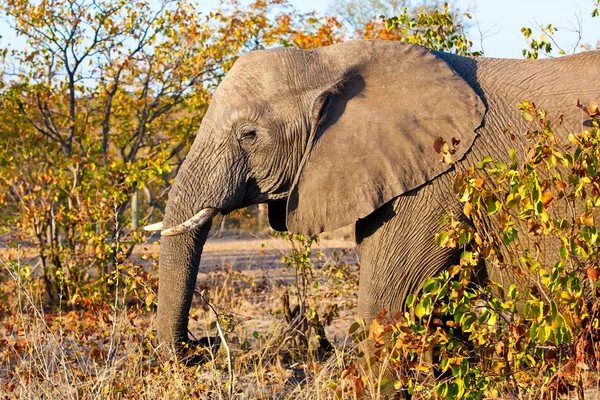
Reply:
x=99, y=106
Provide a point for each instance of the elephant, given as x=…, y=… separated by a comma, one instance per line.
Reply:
x=344, y=135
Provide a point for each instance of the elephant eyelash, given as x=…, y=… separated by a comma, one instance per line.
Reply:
x=248, y=135
x=244, y=131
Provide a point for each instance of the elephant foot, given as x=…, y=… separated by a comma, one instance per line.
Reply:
x=200, y=351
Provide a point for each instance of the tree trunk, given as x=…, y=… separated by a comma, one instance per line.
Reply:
x=134, y=208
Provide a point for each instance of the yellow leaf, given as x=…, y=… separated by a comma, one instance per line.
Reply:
x=375, y=329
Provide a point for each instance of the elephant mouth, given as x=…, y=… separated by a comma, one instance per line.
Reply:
x=227, y=211
x=195, y=222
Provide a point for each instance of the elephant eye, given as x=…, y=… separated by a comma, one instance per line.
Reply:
x=248, y=136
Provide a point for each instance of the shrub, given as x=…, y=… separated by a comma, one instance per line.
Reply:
x=538, y=338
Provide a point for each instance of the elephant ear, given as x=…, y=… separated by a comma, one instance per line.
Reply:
x=375, y=135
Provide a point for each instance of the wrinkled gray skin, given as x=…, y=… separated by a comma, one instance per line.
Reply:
x=344, y=135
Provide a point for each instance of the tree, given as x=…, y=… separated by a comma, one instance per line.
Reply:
x=89, y=112
x=106, y=98
x=438, y=28
x=104, y=101
x=359, y=13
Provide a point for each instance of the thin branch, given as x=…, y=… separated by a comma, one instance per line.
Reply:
x=225, y=345
x=107, y=114
x=41, y=130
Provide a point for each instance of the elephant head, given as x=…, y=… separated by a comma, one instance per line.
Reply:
x=325, y=137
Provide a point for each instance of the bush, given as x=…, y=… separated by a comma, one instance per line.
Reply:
x=94, y=129
x=536, y=339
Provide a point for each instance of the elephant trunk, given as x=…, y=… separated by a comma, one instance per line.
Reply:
x=206, y=183
x=179, y=263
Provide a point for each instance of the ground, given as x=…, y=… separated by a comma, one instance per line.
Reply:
x=110, y=349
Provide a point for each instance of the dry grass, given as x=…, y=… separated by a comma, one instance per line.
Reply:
x=100, y=350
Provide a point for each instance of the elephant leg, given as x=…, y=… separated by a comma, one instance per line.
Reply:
x=398, y=251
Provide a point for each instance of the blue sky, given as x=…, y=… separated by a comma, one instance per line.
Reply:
x=500, y=21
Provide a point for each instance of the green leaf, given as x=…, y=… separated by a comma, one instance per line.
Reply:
x=564, y=253
x=543, y=334
x=509, y=236
x=420, y=310
x=528, y=116
x=461, y=388
x=512, y=291
x=410, y=300
x=492, y=206
x=431, y=286
x=512, y=200
x=465, y=237
x=441, y=238
x=554, y=310
x=445, y=364
x=486, y=160
x=452, y=391
x=442, y=389
x=533, y=331
x=468, y=320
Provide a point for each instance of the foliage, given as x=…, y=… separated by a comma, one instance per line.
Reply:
x=359, y=13
x=543, y=44
x=537, y=337
x=88, y=113
x=99, y=111
x=306, y=318
x=434, y=28
x=101, y=106
x=548, y=40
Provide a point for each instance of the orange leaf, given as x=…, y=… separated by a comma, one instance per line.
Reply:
x=346, y=372
x=560, y=185
x=592, y=273
x=588, y=219
x=547, y=199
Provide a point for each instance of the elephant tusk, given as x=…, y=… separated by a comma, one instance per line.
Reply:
x=154, y=227
x=193, y=223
